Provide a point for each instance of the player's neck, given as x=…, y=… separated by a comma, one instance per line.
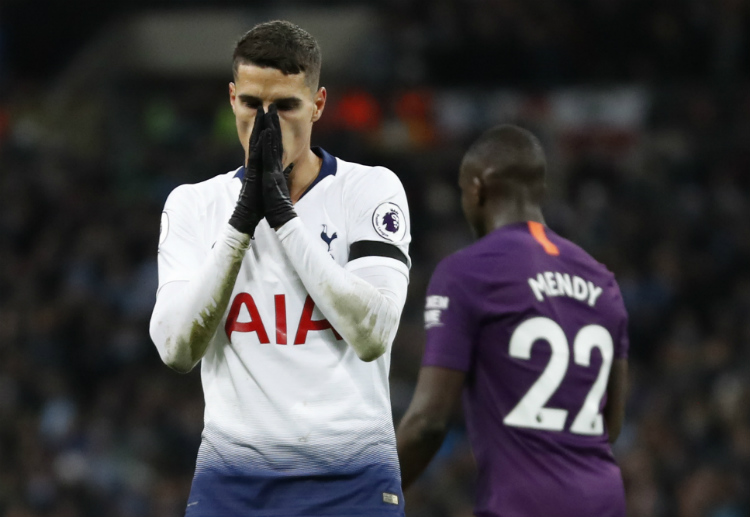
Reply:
x=306, y=169
x=498, y=218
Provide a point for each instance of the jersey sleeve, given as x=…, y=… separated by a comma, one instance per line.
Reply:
x=378, y=224
x=450, y=321
x=622, y=345
x=622, y=339
x=180, y=252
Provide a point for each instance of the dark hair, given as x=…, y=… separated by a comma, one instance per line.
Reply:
x=514, y=157
x=281, y=45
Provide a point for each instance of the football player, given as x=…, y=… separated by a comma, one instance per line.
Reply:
x=286, y=279
x=533, y=332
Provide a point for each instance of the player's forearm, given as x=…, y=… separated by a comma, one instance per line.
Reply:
x=418, y=440
x=187, y=314
x=365, y=317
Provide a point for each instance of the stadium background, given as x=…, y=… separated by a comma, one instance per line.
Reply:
x=642, y=105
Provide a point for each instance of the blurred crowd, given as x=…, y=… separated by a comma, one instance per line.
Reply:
x=454, y=42
x=92, y=424
x=555, y=41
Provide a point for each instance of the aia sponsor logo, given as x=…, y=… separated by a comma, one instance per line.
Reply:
x=305, y=325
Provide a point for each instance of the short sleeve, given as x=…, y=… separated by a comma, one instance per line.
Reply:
x=180, y=252
x=622, y=340
x=377, y=212
x=449, y=321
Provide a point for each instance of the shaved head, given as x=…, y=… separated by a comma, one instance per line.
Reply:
x=507, y=158
x=502, y=179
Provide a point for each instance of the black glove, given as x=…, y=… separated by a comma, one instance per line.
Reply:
x=277, y=203
x=249, y=210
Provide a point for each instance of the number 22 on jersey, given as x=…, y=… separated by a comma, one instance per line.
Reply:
x=530, y=411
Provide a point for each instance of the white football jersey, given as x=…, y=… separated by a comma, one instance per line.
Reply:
x=287, y=400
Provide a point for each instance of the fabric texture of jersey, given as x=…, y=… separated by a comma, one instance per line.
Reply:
x=295, y=423
x=536, y=323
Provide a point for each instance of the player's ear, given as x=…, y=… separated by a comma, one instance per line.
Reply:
x=479, y=190
x=319, y=104
x=232, y=94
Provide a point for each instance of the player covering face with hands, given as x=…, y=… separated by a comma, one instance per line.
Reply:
x=286, y=283
x=264, y=168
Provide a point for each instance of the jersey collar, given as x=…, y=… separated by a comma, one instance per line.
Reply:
x=327, y=168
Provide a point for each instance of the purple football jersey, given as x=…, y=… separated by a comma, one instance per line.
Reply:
x=536, y=323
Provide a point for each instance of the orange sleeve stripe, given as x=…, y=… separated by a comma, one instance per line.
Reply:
x=537, y=231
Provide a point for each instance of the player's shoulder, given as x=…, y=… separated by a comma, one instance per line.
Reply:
x=358, y=175
x=513, y=249
x=583, y=262
x=192, y=194
x=463, y=275
x=520, y=241
x=488, y=250
x=461, y=265
x=575, y=252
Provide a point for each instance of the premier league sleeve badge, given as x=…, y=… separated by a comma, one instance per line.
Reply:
x=389, y=222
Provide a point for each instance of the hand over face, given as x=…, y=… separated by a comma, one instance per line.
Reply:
x=249, y=210
x=276, y=199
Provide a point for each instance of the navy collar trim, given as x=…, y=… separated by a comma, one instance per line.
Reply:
x=327, y=168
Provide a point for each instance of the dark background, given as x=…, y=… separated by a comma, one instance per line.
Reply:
x=643, y=108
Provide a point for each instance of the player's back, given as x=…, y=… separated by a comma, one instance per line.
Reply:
x=543, y=322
